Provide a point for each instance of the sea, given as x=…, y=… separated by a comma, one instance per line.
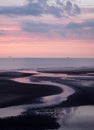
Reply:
x=44, y=63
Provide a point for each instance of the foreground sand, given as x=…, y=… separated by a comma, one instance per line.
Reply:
x=20, y=91
x=15, y=93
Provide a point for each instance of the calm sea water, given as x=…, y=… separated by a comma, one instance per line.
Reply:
x=37, y=63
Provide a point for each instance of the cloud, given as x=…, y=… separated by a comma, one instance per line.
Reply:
x=38, y=7
x=71, y=8
x=72, y=30
x=83, y=30
x=89, y=23
x=22, y=10
x=36, y=27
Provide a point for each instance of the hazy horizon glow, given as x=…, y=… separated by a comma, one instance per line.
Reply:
x=30, y=28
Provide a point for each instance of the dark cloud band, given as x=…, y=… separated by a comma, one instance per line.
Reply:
x=83, y=30
x=40, y=7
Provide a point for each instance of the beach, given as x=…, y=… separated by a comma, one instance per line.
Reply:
x=46, y=65
x=36, y=98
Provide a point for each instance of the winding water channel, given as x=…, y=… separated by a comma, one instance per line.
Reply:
x=45, y=101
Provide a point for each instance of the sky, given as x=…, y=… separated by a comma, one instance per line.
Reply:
x=47, y=28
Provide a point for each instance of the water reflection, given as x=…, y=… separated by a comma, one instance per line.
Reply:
x=77, y=118
x=10, y=111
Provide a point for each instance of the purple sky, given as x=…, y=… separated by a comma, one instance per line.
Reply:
x=47, y=28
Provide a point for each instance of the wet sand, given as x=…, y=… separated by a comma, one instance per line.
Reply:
x=20, y=88
x=14, y=92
